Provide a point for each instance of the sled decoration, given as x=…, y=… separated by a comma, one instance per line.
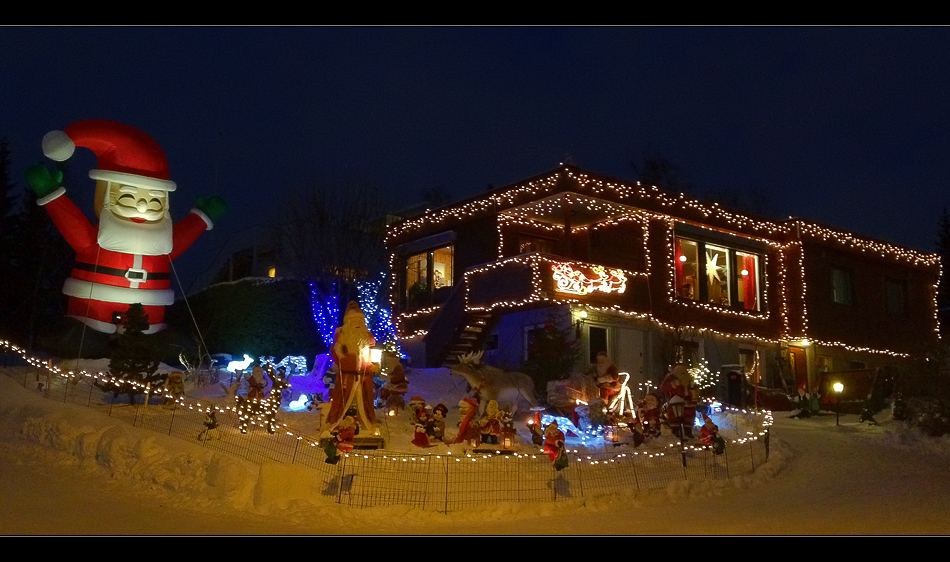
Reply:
x=596, y=278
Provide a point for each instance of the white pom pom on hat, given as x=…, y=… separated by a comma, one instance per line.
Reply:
x=58, y=146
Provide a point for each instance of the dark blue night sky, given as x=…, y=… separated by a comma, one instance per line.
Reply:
x=849, y=127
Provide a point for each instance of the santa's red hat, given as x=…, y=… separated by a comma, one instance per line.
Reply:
x=125, y=154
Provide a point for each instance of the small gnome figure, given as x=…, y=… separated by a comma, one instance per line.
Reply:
x=174, y=388
x=255, y=384
x=468, y=426
x=341, y=439
x=636, y=431
x=554, y=445
x=534, y=426
x=420, y=437
x=394, y=388
x=606, y=376
x=650, y=415
x=436, y=426
x=710, y=436
x=490, y=424
x=211, y=427
x=416, y=404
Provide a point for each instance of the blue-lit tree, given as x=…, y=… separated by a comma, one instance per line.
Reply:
x=378, y=318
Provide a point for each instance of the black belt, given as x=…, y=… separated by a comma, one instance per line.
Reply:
x=131, y=274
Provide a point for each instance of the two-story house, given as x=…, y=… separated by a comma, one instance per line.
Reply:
x=653, y=277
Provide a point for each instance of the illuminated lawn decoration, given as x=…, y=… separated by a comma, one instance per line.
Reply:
x=623, y=401
x=293, y=364
x=299, y=404
x=240, y=365
x=576, y=282
x=702, y=377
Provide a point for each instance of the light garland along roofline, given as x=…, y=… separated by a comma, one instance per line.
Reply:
x=863, y=244
x=546, y=184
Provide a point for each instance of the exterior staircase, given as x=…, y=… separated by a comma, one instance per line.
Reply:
x=474, y=327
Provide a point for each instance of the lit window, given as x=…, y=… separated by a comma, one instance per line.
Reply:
x=442, y=267
x=747, y=280
x=417, y=282
x=272, y=272
x=717, y=275
x=427, y=273
x=687, y=269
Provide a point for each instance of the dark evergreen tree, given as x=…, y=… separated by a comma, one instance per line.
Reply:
x=553, y=352
x=36, y=259
x=943, y=289
x=654, y=169
x=135, y=358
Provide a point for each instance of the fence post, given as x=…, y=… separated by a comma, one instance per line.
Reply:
x=172, y=424
x=636, y=477
x=339, y=495
x=725, y=453
x=445, y=460
x=752, y=453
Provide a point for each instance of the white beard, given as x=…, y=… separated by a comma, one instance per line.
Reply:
x=147, y=239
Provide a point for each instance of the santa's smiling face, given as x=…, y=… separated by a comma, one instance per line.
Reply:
x=133, y=219
x=138, y=204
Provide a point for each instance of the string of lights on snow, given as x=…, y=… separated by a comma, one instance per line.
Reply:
x=763, y=420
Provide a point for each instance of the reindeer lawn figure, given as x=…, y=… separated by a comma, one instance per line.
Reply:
x=492, y=383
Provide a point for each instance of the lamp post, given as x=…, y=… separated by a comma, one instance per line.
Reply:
x=838, y=387
x=679, y=405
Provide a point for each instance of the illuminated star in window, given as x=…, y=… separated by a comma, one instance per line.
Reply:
x=713, y=271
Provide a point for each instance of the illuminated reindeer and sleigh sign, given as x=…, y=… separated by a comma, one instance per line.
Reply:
x=576, y=280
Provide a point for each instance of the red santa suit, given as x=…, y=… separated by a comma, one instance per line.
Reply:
x=354, y=380
x=103, y=282
x=125, y=259
x=709, y=431
x=553, y=441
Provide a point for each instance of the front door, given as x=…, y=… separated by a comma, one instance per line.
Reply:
x=796, y=356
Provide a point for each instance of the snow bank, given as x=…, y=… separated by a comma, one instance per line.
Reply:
x=120, y=451
x=198, y=476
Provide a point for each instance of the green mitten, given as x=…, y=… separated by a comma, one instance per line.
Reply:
x=43, y=180
x=213, y=206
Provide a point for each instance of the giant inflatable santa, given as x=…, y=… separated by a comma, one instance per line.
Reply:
x=126, y=258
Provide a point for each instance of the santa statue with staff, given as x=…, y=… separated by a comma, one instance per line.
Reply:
x=126, y=258
x=354, y=379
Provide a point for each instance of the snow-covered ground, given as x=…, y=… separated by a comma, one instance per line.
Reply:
x=71, y=470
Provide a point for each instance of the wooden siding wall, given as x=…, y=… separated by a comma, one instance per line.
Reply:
x=866, y=322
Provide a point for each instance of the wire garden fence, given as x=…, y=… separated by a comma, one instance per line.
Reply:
x=437, y=482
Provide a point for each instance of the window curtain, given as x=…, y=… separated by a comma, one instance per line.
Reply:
x=679, y=268
x=749, y=282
